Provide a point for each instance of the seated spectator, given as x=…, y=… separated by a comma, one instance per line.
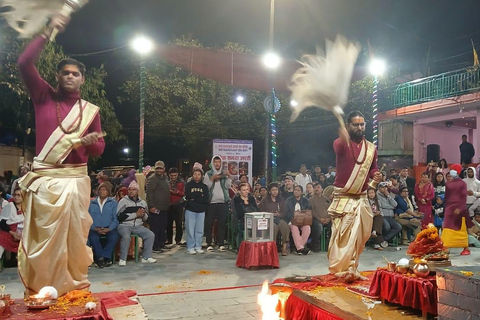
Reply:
x=132, y=213
x=406, y=215
x=377, y=226
x=275, y=204
x=11, y=223
x=103, y=210
x=243, y=203
x=322, y=180
x=300, y=234
x=3, y=197
x=310, y=190
x=286, y=190
x=196, y=193
x=393, y=172
x=392, y=184
x=473, y=232
x=121, y=193
x=387, y=206
x=319, y=204
x=316, y=173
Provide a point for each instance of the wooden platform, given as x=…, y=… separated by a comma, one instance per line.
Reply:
x=349, y=306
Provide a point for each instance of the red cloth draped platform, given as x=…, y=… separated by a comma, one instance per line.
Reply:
x=18, y=311
x=327, y=297
x=257, y=254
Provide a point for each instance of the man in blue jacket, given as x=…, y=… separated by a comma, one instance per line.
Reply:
x=103, y=210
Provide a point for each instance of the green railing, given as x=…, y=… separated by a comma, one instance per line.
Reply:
x=441, y=86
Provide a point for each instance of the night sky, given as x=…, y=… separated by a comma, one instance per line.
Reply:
x=400, y=31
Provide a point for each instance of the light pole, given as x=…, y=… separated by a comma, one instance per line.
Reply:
x=376, y=68
x=143, y=46
x=271, y=61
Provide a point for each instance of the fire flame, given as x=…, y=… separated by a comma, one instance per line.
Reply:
x=268, y=303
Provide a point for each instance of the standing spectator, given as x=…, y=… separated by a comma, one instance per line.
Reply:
x=132, y=213
x=405, y=181
x=331, y=179
x=11, y=223
x=439, y=184
x=300, y=234
x=158, y=200
x=23, y=171
x=196, y=193
x=439, y=211
x=329, y=172
x=244, y=179
x=467, y=151
x=103, y=210
x=319, y=204
x=243, y=203
x=218, y=183
x=456, y=220
x=377, y=226
x=407, y=216
x=287, y=189
x=424, y=194
x=387, y=207
x=473, y=186
x=275, y=204
x=303, y=178
x=322, y=180
x=175, y=211
x=129, y=178
x=393, y=172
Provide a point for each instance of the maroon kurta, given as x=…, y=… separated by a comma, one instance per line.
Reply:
x=346, y=157
x=456, y=198
x=44, y=98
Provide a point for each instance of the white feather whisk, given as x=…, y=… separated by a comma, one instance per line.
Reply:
x=28, y=17
x=323, y=81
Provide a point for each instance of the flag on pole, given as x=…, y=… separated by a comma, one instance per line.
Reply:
x=475, y=55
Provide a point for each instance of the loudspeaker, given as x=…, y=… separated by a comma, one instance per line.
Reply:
x=433, y=153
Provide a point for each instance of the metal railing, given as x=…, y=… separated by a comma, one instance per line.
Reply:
x=441, y=86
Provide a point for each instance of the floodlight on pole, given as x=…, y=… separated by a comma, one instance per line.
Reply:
x=293, y=104
x=271, y=60
x=125, y=150
x=240, y=99
x=377, y=67
x=142, y=45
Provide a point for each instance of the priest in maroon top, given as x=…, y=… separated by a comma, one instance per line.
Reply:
x=351, y=213
x=53, y=250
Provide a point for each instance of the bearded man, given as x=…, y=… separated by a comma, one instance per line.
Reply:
x=53, y=250
x=350, y=210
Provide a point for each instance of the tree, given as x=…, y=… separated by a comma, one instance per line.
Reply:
x=186, y=112
x=14, y=94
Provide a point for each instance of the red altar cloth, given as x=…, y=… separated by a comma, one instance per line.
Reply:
x=417, y=293
x=258, y=254
x=20, y=312
x=298, y=309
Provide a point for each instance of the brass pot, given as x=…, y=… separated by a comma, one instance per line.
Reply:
x=402, y=269
x=392, y=266
x=421, y=270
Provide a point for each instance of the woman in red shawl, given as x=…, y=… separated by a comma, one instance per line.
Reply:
x=11, y=224
x=424, y=194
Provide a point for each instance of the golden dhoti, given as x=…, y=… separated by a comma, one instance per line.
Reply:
x=53, y=250
x=352, y=220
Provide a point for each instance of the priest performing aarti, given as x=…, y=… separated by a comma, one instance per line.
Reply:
x=324, y=81
x=53, y=250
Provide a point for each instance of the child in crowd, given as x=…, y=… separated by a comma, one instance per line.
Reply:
x=438, y=211
x=377, y=219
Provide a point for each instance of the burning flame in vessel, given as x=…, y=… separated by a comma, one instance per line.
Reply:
x=268, y=303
